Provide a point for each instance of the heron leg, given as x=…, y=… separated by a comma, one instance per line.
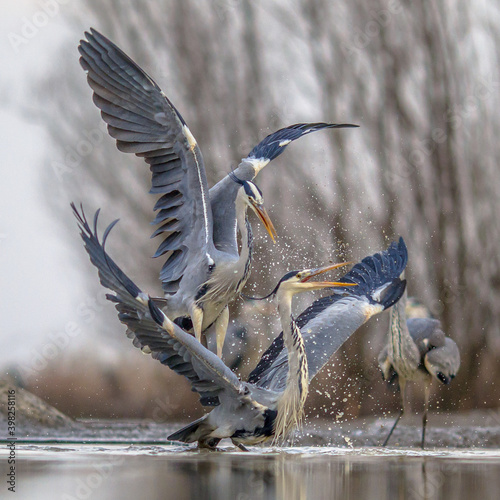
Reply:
x=221, y=324
x=427, y=394
x=197, y=319
x=242, y=447
x=402, y=387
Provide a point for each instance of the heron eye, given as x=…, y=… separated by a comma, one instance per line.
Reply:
x=211, y=267
x=443, y=378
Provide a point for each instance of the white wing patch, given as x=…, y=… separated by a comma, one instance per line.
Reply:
x=192, y=145
x=189, y=136
x=377, y=294
x=258, y=163
x=372, y=309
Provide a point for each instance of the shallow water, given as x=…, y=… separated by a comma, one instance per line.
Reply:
x=96, y=471
x=100, y=459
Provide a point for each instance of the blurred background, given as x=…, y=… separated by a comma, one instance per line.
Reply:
x=420, y=78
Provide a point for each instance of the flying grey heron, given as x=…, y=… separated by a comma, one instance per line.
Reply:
x=419, y=351
x=203, y=270
x=270, y=406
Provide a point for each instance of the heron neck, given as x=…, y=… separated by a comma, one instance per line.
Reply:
x=243, y=226
x=292, y=400
x=402, y=349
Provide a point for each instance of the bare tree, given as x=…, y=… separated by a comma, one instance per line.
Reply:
x=422, y=81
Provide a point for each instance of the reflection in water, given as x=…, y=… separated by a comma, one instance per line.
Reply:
x=315, y=473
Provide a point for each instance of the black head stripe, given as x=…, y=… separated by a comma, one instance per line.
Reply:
x=257, y=189
x=251, y=190
x=248, y=189
x=288, y=275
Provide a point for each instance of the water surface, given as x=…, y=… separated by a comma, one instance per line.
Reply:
x=97, y=471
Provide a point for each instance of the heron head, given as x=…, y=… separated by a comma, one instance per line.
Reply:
x=443, y=362
x=254, y=199
x=298, y=281
x=440, y=372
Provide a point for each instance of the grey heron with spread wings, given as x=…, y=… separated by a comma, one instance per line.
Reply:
x=417, y=350
x=203, y=270
x=270, y=405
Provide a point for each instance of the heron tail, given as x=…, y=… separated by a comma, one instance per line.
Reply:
x=190, y=433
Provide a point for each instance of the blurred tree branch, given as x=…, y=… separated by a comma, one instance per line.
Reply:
x=420, y=79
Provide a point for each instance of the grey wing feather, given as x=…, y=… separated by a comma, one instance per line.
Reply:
x=180, y=351
x=143, y=121
x=274, y=144
x=328, y=322
x=323, y=335
x=223, y=194
x=426, y=333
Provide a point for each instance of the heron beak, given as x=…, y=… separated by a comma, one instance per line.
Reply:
x=317, y=285
x=264, y=217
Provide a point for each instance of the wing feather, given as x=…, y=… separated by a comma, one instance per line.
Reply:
x=145, y=324
x=144, y=122
x=328, y=322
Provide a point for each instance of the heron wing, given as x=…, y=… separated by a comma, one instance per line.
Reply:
x=328, y=322
x=223, y=194
x=144, y=121
x=274, y=144
x=177, y=349
x=426, y=333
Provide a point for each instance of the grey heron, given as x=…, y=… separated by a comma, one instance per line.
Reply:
x=419, y=351
x=203, y=270
x=272, y=405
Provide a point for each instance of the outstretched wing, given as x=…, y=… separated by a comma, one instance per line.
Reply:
x=331, y=320
x=223, y=194
x=150, y=329
x=143, y=121
x=274, y=144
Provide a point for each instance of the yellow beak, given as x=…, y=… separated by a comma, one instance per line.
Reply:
x=324, y=284
x=264, y=217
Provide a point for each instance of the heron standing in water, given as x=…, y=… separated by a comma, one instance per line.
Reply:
x=204, y=270
x=418, y=351
x=272, y=406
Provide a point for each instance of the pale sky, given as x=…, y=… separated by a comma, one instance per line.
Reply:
x=40, y=287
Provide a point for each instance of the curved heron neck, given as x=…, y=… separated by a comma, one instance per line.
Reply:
x=243, y=226
x=292, y=400
x=402, y=348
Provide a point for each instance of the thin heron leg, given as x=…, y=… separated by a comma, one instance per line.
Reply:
x=220, y=329
x=427, y=394
x=241, y=446
x=402, y=388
